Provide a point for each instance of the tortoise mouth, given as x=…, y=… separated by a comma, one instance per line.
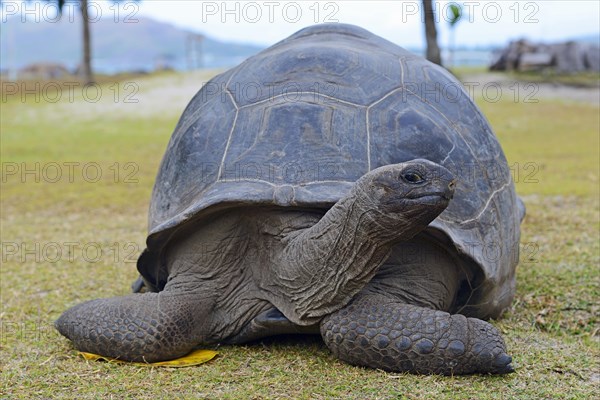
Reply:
x=435, y=200
x=432, y=196
x=431, y=199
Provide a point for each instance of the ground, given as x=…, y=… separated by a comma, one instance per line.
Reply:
x=76, y=181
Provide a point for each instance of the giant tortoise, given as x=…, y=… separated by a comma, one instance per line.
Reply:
x=334, y=183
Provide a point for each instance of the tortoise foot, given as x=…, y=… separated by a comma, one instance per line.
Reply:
x=377, y=332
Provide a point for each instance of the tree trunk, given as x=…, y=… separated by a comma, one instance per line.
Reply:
x=451, y=48
x=433, y=50
x=86, y=65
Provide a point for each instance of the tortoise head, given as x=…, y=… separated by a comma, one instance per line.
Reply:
x=416, y=188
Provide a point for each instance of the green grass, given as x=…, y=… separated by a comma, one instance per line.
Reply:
x=551, y=329
x=586, y=79
x=580, y=79
x=551, y=146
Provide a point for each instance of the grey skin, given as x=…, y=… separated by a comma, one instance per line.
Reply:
x=342, y=272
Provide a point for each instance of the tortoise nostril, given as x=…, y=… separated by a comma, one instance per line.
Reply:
x=452, y=184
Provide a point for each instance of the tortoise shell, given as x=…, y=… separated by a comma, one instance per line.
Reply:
x=297, y=124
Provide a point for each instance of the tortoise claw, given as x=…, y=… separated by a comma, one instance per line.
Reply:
x=502, y=364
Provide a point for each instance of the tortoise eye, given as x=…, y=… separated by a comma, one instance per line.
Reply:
x=412, y=177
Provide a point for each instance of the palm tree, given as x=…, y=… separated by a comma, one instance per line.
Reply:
x=456, y=10
x=433, y=50
x=86, y=62
x=88, y=75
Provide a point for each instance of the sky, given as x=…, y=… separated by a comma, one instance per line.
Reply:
x=266, y=22
x=486, y=22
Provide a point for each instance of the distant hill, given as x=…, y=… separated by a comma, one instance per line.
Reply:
x=116, y=46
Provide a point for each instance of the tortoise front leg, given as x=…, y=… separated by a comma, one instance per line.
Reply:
x=145, y=327
x=377, y=331
x=315, y=271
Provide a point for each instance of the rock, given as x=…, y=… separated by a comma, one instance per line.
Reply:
x=508, y=59
x=591, y=58
x=534, y=61
x=567, y=57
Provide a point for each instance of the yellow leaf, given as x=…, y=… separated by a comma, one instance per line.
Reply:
x=194, y=358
